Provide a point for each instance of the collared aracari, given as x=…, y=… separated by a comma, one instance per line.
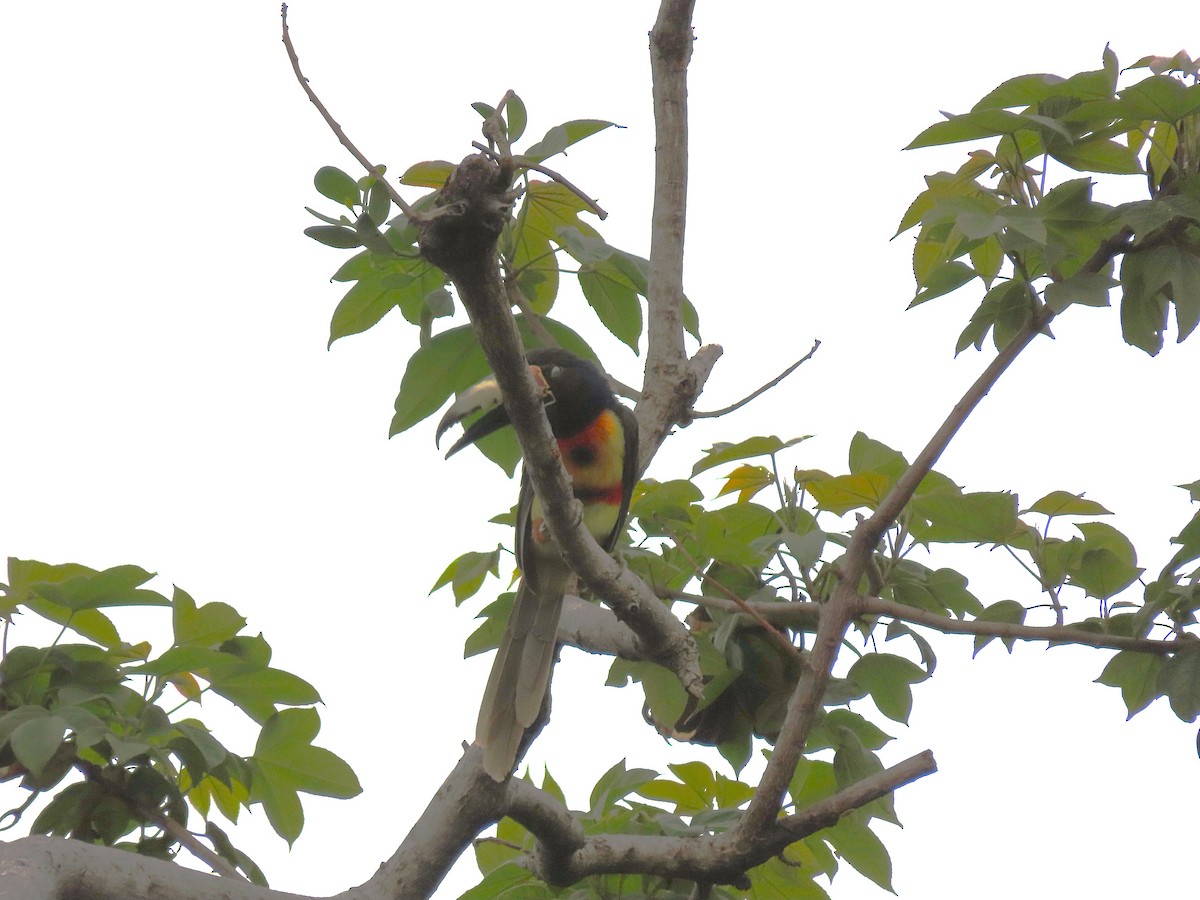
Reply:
x=597, y=438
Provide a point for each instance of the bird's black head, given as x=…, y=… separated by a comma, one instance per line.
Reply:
x=576, y=391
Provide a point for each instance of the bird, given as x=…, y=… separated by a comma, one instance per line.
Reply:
x=598, y=439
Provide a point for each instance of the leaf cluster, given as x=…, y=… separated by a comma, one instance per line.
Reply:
x=1038, y=250
x=103, y=715
x=546, y=238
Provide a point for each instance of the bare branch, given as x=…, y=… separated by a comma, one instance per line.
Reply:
x=194, y=845
x=374, y=170
x=780, y=639
x=669, y=387
x=1051, y=634
x=762, y=390
x=805, y=616
x=517, y=297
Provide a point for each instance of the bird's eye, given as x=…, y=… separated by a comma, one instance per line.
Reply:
x=555, y=371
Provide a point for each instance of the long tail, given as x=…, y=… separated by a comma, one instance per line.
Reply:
x=520, y=674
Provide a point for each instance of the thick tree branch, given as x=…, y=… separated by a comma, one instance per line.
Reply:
x=669, y=387
x=463, y=245
x=593, y=629
x=468, y=801
x=565, y=855
x=51, y=868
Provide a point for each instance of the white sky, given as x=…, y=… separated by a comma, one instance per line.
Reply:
x=167, y=398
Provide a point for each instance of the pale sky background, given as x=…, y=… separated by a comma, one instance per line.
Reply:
x=167, y=398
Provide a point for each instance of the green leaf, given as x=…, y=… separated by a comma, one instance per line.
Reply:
x=118, y=586
x=1084, y=288
x=862, y=848
x=721, y=453
x=1136, y=674
x=776, y=880
x=432, y=173
x=728, y=534
x=665, y=696
x=843, y=493
x=189, y=658
x=1193, y=490
x=205, y=626
x=614, y=299
x=980, y=518
x=1008, y=612
x=813, y=780
x=467, y=573
x=887, y=678
x=517, y=117
x=615, y=784
x=969, y=127
x=560, y=137
x=509, y=880
x=1144, y=277
x=339, y=187
x=1108, y=564
x=285, y=762
x=1098, y=155
x=870, y=455
x=402, y=284
x=257, y=690
x=1064, y=503
x=943, y=279
x=337, y=236
x=1179, y=679
x=35, y=741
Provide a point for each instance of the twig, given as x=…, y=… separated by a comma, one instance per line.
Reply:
x=376, y=171
x=536, y=325
x=217, y=863
x=1053, y=634
x=521, y=163
x=776, y=635
x=805, y=616
x=762, y=390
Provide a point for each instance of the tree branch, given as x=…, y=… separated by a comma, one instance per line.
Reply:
x=593, y=629
x=669, y=387
x=846, y=604
x=805, y=616
x=522, y=163
x=760, y=391
x=468, y=801
x=565, y=855
x=377, y=171
x=462, y=244
x=51, y=868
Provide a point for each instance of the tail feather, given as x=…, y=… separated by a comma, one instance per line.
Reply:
x=520, y=674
